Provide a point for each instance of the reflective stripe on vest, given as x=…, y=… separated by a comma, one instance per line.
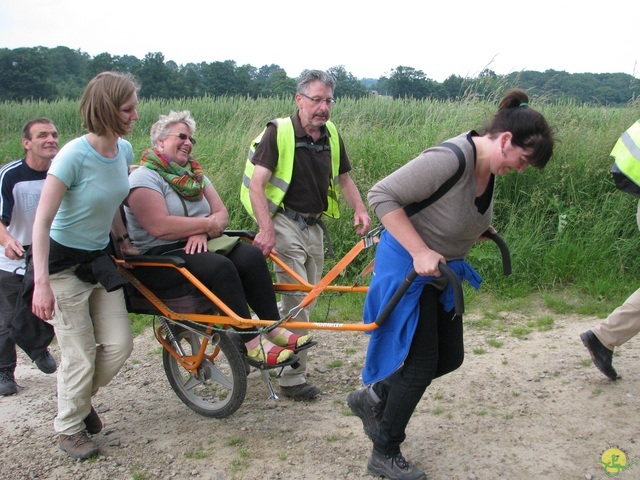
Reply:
x=626, y=153
x=278, y=183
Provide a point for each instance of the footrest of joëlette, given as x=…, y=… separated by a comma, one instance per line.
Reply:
x=310, y=344
x=292, y=361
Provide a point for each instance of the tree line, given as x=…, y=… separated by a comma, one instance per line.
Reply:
x=49, y=74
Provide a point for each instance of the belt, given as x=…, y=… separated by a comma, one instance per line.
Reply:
x=305, y=221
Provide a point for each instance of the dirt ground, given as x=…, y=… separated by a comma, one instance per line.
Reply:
x=531, y=408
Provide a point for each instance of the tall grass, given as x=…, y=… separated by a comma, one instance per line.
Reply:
x=566, y=226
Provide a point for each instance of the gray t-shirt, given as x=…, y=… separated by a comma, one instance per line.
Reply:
x=451, y=225
x=143, y=177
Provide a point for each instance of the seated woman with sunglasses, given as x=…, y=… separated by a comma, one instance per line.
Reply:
x=173, y=207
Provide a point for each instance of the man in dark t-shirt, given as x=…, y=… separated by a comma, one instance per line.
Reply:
x=21, y=182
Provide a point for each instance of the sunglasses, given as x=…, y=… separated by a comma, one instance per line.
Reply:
x=183, y=137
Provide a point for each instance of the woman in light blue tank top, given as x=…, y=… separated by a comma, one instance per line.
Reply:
x=77, y=288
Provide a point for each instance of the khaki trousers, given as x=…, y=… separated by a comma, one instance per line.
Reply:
x=624, y=322
x=621, y=324
x=95, y=339
x=303, y=252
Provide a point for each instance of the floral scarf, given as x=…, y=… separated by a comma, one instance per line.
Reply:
x=187, y=181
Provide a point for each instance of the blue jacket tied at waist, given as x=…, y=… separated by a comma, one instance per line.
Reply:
x=389, y=344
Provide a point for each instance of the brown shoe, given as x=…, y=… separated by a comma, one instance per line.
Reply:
x=78, y=445
x=93, y=422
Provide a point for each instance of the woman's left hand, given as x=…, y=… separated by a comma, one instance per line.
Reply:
x=196, y=244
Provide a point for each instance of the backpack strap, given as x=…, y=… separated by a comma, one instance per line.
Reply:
x=415, y=207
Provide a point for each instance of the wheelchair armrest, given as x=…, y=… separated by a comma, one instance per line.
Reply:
x=142, y=260
x=241, y=233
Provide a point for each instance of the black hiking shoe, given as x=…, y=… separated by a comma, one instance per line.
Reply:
x=304, y=391
x=366, y=409
x=46, y=363
x=601, y=355
x=393, y=467
x=8, y=384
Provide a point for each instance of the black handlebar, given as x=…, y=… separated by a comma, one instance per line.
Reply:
x=404, y=286
x=451, y=277
x=504, y=251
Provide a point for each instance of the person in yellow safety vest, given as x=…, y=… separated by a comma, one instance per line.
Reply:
x=278, y=184
x=294, y=172
x=624, y=322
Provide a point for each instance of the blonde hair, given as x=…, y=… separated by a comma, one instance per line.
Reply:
x=101, y=100
x=160, y=129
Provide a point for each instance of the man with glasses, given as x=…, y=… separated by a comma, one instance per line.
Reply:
x=295, y=169
x=21, y=182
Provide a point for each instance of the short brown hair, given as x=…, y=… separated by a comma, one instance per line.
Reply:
x=101, y=99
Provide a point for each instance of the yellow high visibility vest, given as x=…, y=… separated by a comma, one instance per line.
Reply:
x=626, y=153
x=280, y=180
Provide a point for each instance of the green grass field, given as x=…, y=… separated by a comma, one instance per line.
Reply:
x=573, y=236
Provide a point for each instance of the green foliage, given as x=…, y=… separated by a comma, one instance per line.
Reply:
x=57, y=73
x=139, y=323
x=567, y=226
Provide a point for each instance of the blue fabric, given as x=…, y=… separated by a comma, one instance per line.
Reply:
x=389, y=343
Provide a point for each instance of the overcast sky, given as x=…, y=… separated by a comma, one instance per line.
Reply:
x=369, y=38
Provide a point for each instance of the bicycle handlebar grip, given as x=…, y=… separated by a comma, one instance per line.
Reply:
x=504, y=251
x=404, y=286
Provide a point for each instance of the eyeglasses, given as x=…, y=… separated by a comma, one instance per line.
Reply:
x=183, y=137
x=318, y=101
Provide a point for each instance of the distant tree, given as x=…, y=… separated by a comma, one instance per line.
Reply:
x=368, y=83
x=49, y=74
x=453, y=87
x=600, y=88
x=157, y=79
x=192, y=80
x=103, y=62
x=280, y=85
x=273, y=80
x=381, y=86
x=488, y=85
x=25, y=73
x=346, y=84
x=219, y=78
x=246, y=81
x=68, y=71
x=409, y=82
x=127, y=63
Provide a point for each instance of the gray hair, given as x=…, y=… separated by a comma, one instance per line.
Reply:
x=160, y=129
x=309, y=76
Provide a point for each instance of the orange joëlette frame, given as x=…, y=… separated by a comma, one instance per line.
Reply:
x=230, y=318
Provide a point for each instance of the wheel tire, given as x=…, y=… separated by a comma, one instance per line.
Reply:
x=221, y=384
